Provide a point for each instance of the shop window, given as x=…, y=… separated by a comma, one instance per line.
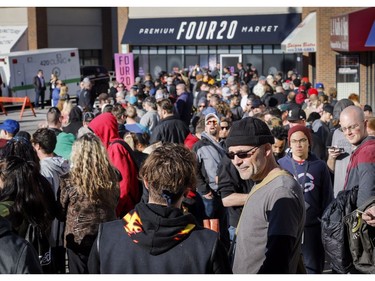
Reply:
x=174, y=63
x=224, y=49
x=158, y=63
x=246, y=49
x=136, y=50
x=144, y=50
x=257, y=49
x=272, y=64
x=267, y=49
x=277, y=49
x=347, y=75
x=171, y=50
x=162, y=50
x=202, y=50
x=153, y=50
x=179, y=49
x=212, y=49
x=235, y=49
x=190, y=50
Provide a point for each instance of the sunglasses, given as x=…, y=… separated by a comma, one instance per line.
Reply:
x=242, y=154
x=214, y=122
x=226, y=128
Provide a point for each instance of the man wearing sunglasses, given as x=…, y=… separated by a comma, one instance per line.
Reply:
x=209, y=155
x=269, y=232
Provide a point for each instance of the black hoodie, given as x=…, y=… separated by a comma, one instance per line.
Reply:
x=157, y=239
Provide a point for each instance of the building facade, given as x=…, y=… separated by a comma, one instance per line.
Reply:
x=167, y=38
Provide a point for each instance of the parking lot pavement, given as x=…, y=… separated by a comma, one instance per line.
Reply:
x=29, y=122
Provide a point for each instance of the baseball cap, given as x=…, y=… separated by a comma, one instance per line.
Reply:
x=11, y=126
x=319, y=85
x=210, y=115
x=296, y=114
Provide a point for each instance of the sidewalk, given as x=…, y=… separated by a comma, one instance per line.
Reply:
x=29, y=122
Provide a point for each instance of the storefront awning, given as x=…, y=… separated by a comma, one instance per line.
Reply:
x=12, y=39
x=370, y=42
x=254, y=29
x=354, y=32
x=303, y=37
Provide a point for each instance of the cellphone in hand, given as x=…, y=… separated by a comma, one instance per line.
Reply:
x=339, y=149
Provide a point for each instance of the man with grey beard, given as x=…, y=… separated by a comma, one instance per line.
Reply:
x=209, y=155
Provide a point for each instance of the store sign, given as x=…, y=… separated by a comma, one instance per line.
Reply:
x=254, y=29
x=9, y=35
x=340, y=33
x=352, y=32
x=124, y=67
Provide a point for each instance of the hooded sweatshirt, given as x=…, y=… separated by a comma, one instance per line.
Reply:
x=106, y=128
x=52, y=168
x=313, y=175
x=157, y=239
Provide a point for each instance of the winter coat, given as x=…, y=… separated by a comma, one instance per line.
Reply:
x=170, y=129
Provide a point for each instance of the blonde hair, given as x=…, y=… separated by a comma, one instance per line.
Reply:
x=89, y=157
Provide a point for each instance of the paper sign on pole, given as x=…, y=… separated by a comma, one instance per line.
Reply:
x=124, y=67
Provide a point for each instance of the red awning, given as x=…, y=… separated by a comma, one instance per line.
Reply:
x=350, y=32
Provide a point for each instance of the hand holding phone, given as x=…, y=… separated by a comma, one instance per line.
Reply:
x=336, y=149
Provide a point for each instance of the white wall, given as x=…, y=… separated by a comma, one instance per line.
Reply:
x=13, y=16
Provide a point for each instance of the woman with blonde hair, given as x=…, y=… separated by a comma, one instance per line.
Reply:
x=88, y=197
x=67, y=107
x=63, y=96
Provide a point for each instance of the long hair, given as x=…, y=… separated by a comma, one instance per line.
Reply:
x=33, y=197
x=21, y=147
x=92, y=173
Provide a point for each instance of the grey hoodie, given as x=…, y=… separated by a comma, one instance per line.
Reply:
x=52, y=168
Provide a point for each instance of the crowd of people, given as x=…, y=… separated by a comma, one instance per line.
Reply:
x=191, y=172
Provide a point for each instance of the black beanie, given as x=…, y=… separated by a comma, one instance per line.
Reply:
x=249, y=131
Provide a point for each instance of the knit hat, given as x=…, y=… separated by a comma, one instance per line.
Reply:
x=301, y=128
x=312, y=91
x=249, y=131
x=300, y=98
x=64, y=145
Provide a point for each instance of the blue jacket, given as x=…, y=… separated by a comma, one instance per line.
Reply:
x=313, y=175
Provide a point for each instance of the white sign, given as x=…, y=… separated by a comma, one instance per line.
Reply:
x=9, y=35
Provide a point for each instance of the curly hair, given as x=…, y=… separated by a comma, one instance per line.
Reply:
x=89, y=157
x=170, y=170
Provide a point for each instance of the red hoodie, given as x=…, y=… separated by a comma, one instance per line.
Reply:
x=106, y=128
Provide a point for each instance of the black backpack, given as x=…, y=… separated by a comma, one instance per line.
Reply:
x=334, y=232
x=361, y=239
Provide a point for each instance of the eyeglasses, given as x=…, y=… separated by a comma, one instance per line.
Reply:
x=214, y=122
x=349, y=128
x=202, y=106
x=301, y=141
x=242, y=154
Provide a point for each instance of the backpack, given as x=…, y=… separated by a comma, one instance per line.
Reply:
x=39, y=240
x=334, y=233
x=361, y=239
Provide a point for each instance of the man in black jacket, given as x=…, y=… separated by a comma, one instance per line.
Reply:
x=170, y=127
x=158, y=237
